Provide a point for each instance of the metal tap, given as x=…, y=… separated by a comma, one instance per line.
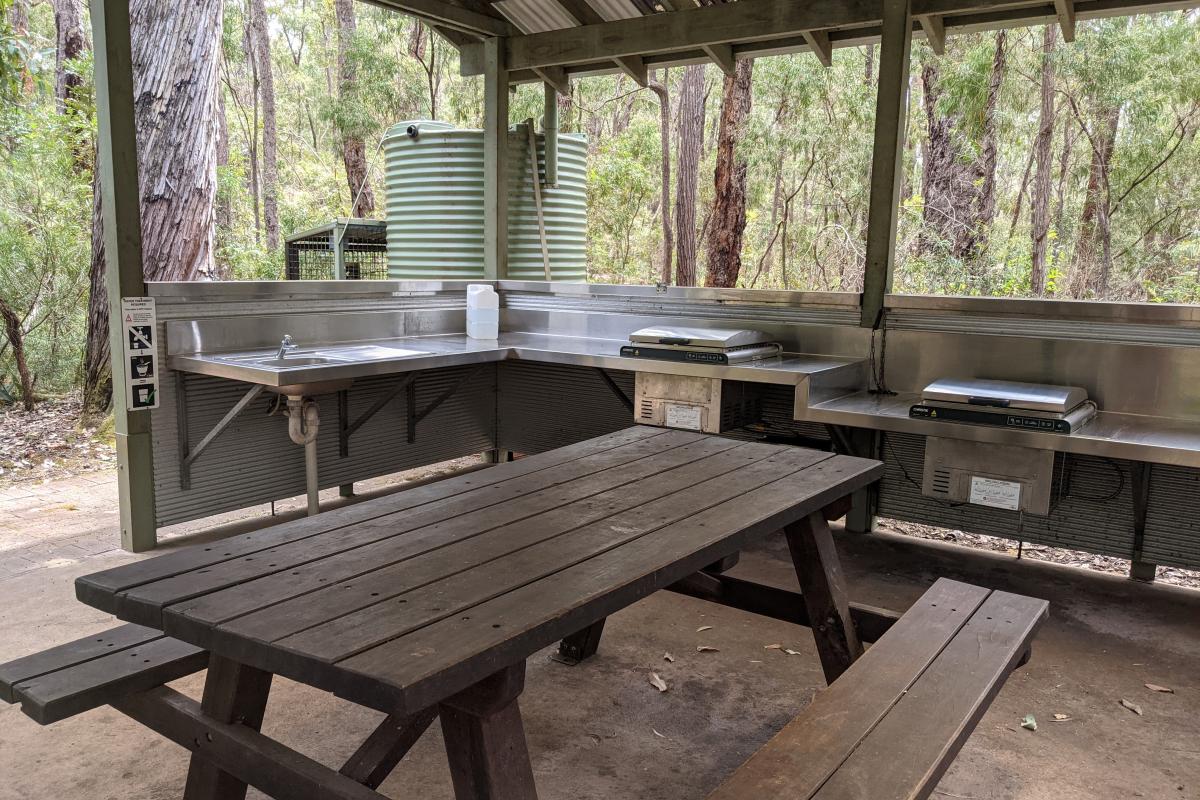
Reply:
x=286, y=345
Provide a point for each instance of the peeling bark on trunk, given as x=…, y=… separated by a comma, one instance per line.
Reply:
x=175, y=60
x=729, y=181
x=1040, y=227
x=1093, y=249
x=985, y=205
x=354, y=150
x=690, y=131
x=664, y=125
x=270, y=136
x=68, y=24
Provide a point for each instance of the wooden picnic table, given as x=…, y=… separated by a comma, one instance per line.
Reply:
x=428, y=602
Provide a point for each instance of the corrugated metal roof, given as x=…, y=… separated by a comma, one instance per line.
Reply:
x=536, y=16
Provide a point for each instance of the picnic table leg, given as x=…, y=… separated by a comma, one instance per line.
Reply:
x=824, y=590
x=580, y=645
x=375, y=759
x=485, y=740
x=233, y=692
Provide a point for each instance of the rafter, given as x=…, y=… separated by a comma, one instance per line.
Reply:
x=584, y=14
x=722, y=56
x=818, y=42
x=935, y=32
x=452, y=16
x=1065, y=10
x=556, y=77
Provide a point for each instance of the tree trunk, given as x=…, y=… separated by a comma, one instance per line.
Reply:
x=1094, y=241
x=985, y=205
x=270, y=136
x=354, y=150
x=68, y=24
x=223, y=207
x=664, y=128
x=947, y=179
x=18, y=20
x=15, y=333
x=690, y=129
x=97, y=371
x=175, y=60
x=729, y=181
x=1040, y=227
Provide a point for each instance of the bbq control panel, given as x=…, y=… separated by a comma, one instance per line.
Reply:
x=1001, y=419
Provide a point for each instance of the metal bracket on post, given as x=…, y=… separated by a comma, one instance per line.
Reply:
x=616, y=390
x=189, y=456
x=1140, y=570
x=346, y=428
x=414, y=416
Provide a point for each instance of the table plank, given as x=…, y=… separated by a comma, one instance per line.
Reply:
x=98, y=589
x=454, y=652
x=346, y=635
x=342, y=584
x=144, y=603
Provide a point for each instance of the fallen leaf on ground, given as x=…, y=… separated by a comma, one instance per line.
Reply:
x=752, y=661
x=668, y=657
x=1154, y=687
x=773, y=647
x=1134, y=707
x=657, y=682
x=1029, y=723
x=704, y=648
x=656, y=733
x=1061, y=718
x=703, y=628
x=791, y=652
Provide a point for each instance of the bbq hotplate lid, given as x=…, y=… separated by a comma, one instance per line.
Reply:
x=1005, y=394
x=715, y=338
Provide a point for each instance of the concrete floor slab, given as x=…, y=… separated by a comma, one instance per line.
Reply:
x=600, y=730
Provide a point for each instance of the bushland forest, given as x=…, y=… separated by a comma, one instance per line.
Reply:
x=1034, y=167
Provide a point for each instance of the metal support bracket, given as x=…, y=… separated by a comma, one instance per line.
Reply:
x=1138, y=569
x=346, y=428
x=616, y=390
x=189, y=456
x=415, y=417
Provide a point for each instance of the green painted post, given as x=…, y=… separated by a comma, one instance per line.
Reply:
x=495, y=160
x=891, y=112
x=120, y=196
x=550, y=132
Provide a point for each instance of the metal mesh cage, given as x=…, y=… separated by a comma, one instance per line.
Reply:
x=310, y=255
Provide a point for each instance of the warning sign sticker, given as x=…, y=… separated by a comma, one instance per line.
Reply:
x=141, y=352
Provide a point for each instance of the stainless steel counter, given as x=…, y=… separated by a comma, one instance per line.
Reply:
x=348, y=360
x=1113, y=435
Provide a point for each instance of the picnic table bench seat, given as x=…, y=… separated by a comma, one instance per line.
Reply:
x=95, y=671
x=890, y=726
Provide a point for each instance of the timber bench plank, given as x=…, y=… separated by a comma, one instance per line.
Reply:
x=95, y=671
x=893, y=722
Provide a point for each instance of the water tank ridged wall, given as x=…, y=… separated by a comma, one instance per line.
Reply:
x=434, y=186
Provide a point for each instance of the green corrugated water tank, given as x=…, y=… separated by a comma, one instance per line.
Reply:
x=434, y=184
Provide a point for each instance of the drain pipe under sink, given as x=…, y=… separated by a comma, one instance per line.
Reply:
x=304, y=420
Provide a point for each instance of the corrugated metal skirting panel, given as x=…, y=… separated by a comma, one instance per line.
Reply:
x=1094, y=510
x=253, y=460
x=543, y=406
x=1172, y=527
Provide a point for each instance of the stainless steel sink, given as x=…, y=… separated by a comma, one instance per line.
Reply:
x=294, y=361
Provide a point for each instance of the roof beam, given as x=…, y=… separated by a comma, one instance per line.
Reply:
x=818, y=42
x=1065, y=9
x=935, y=32
x=584, y=14
x=451, y=16
x=849, y=23
x=722, y=56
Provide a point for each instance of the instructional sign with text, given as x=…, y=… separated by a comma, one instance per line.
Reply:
x=141, y=353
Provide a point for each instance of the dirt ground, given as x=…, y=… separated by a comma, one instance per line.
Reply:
x=599, y=730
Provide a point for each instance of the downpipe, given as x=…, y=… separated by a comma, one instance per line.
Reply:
x=304, y=421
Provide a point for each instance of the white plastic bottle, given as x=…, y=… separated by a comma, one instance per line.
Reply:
x=483, y=312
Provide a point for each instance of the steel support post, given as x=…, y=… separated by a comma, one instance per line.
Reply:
x=495, y=160
x=120, y=198
x=891, y=113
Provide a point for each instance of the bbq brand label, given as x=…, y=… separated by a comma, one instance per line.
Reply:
x=139, y=321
